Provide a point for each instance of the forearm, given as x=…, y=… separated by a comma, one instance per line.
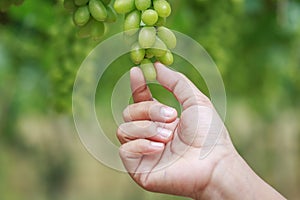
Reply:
x=234, y=179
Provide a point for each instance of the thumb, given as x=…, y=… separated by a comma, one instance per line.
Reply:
x=200, y=125
x=183, y=89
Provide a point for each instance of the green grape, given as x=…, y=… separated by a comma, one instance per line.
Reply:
x=150, y=17
x=149, y=54
x=148, y=70
x=86, y=14
x=70, y=5
x=137, y=54
x=106, y=2
x=85, y=31
x=154, y=41
x=147, y=37
x=124, y=6
x=131, y=39
x=97, y=30
x=132, y=22
x=143, y=26
x=98, y=10
x=161, y=21
x=167, y=59
x=142, y=4
x=81, y=2
x=167, y=36
x=158, y=49
x=81, y=15
x=162, y=7
x=111, y=15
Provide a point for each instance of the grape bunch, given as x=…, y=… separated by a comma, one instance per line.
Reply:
x=144, y=30
x=5, y=4
x=90, y=16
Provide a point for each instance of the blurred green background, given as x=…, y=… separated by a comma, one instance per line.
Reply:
x=255, y=44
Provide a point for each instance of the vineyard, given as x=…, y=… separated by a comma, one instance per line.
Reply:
x=254, y=43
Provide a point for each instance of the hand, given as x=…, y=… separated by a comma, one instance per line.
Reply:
x=161, y=151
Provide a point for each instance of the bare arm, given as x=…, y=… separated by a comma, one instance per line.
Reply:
x=161, y=150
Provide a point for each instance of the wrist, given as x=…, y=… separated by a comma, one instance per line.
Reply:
x=229, y=179
x=234, y=179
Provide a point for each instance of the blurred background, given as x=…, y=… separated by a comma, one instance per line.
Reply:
x=255, y=44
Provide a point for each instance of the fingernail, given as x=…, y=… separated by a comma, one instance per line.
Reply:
x=135, y=68
x=157, y=144
x=167, y=111
x=165, y=133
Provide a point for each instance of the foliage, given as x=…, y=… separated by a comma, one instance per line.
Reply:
x=255, y=44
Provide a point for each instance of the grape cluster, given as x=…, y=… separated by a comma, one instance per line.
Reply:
x=144, y=30
x=90, y=16
x=5, y=4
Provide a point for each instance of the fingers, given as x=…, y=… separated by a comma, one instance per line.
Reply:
x=158, y=132
x=140, y=147
x=133, y=152
x=149, y=110
x=184, y=90
x=139, y=88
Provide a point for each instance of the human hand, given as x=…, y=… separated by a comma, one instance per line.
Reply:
x=161, y=151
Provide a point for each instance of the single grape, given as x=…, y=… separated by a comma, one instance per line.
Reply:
x=150, y=17
x=124, y=6
x=132, y=22
x=98, y=10
x=149, y=54
x=161, y=21
x=148, y=70
x=98, y=30
x=142, y=4
x=162, y=7
x=106, y=2
x=85, y=31
x=158, y=49
x=81, y=2
x=147, y=37
x=137, y=54
x=167, y=36
x=81, y=15
x=111, y=15
x=167, y=59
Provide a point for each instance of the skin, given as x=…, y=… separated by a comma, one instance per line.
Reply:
x=162, y=151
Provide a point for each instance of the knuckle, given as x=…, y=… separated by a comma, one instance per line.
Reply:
x=123, y=133
x=181, y=75
x=202, y=99
x=120, y=135
x=140, y=89
x=198, y=99
x=119, y=132
x=126, y=152
x=126, y=114
x=122, y=151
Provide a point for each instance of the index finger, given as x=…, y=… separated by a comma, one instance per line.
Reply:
x=139, y=88
x=183, y=89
